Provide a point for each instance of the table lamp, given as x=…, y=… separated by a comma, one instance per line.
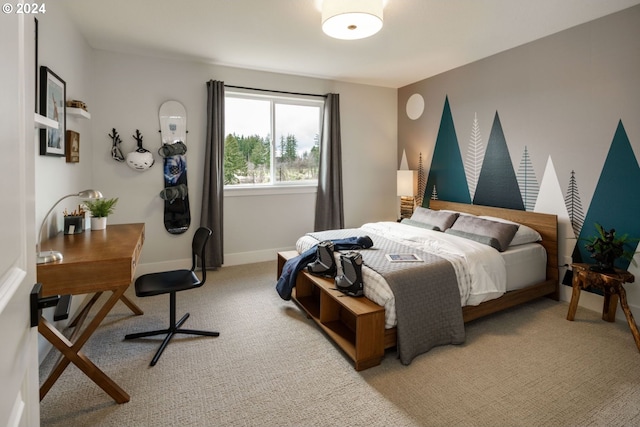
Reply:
x=406, y=191
x=51, y=256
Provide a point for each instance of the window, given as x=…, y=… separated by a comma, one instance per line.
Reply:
x=271, y=140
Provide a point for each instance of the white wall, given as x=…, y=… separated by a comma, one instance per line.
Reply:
x=127, y=93
x=64, y=51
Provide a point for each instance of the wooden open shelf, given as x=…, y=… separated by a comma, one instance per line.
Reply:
x=356, y=325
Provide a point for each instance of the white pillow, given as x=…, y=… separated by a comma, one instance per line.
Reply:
x=523, y=235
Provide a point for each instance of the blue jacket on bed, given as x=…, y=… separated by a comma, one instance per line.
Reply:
x=294, y=265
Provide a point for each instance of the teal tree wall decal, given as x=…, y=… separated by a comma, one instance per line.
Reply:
x=447, y=170
x=615, y=203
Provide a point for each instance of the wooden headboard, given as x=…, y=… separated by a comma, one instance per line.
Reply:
x=545, y=224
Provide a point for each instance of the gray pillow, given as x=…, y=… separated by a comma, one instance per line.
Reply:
x=492, y=233
x=485, y=240
x=524, y=235
x=438, y=220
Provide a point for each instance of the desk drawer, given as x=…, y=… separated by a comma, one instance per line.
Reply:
x=93, y=261
x=136, y=254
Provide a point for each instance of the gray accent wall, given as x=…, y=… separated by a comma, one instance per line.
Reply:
x=560, y=98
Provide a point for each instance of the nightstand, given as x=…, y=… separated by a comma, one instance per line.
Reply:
x=611, y=284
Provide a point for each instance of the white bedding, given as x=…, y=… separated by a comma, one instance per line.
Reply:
x=483, y=273
x=526, y=265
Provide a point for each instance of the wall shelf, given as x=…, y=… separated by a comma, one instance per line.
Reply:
x=78, y=112
x=43, y=122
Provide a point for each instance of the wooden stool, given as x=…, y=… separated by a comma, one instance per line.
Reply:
x=611, y=284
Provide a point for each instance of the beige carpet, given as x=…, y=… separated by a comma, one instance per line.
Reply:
x=273, y=367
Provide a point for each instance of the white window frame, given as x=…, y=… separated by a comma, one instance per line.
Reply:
x=274, y=187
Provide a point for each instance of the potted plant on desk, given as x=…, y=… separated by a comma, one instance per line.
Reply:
x=100, y=209
x=606, y=248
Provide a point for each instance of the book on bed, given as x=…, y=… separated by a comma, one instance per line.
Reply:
x=403, y=258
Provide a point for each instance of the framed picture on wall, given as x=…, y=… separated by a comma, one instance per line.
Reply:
x=72, y=146
x=53, y=93
x=35, y=71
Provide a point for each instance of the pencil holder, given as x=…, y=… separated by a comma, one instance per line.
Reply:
x=73, y=224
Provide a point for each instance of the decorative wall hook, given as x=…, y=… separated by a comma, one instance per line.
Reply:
x=141, y=159
x=116, y=153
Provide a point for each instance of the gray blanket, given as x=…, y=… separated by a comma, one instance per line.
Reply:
x=426, y=293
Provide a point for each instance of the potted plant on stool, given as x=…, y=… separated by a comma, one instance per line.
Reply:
x=100, y=209
x=606, y=248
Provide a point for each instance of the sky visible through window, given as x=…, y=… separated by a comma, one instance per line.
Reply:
x=298, y=120
x=251, y=117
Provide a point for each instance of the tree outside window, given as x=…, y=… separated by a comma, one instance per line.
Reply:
x=253, y=157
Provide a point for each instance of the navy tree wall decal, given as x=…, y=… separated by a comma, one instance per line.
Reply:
x=497, y=184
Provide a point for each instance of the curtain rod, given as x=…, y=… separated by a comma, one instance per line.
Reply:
x=276, y=91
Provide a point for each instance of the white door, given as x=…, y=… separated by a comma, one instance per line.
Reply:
x=19, y=395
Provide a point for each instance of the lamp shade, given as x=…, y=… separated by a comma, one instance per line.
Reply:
x=351, y=19
x=90, y=194
x=406, y=183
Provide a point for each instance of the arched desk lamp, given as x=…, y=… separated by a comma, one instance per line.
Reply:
x=51, y=256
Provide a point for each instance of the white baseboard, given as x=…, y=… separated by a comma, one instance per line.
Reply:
x=239, y=258
x=254, y=256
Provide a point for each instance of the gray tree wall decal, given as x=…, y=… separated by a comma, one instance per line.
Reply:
x=475, y=155
x=574, y=205
x=422, y=182
x=527, y=181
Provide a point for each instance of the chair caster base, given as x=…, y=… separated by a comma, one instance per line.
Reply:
x=171, y=331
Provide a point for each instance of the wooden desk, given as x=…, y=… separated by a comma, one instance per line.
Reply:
x=94, y=262
x=611, y=284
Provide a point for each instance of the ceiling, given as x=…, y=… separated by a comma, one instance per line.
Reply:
x=420, y=38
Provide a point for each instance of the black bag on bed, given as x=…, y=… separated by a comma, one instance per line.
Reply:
x=293, y=266
x=325, y=263
x=350, y=281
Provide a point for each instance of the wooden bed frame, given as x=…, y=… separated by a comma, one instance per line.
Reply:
x=357, y=324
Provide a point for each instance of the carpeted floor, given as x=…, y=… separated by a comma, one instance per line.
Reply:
x=271, y=366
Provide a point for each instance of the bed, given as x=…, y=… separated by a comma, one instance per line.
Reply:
x=512, y=275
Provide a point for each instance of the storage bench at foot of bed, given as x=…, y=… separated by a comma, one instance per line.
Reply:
x=356, y=325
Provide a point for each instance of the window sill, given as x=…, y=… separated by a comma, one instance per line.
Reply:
x=270, y=190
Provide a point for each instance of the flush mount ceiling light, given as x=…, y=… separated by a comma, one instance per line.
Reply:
x=351, y=19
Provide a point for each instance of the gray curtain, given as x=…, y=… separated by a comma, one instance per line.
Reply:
x=329, y=209
x=212, y=189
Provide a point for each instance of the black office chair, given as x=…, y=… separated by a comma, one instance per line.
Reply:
x=170, y=282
